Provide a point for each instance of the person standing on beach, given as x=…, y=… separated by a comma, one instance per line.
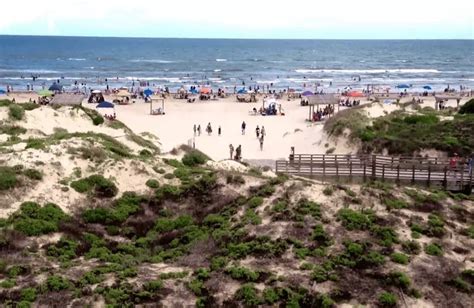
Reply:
x=243, y=127
x=231, y=150
x=257, y=131
x=238, y=152
x=209, y=128
x=262, y=131
x=199, y=130
x=219, y=131
x=194, y=129
x=261, y=142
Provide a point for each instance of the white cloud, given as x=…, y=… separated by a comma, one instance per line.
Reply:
x=248, y=15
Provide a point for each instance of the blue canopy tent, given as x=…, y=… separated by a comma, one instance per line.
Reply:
x=242, y=91
x=427, y=88
x=2, y=91
x=105, y=104
x=193, y=91
x=56, y=87
x=307, y=93
x=148, y=92
x=403, y=86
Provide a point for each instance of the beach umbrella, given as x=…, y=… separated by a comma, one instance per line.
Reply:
x=105, y=104
x=205, y=91
x=427, y=88
x=56, y=87
x=96, y=91
x=45, y=93
x=148, y=92
x=355, y=94
x=307, y=93
x=123, y=93
x=193, y=91
x=403, y=86
x=2, y=91
x=242, y=91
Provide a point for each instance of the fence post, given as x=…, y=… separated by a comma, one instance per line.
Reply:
x=311, y=166
x=374, y=160
x=445, y=181
x=365, y=169
x=462, y=176
x=299, y=163
x=398, y=174
x=429, y=174
x=383, y=173
x=337, y=168
x=470, y=179
x=413, y=174
x=350, y=170
x=324, y=167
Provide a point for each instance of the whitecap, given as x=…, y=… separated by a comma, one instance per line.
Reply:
x=221, y=60
x=76, y=59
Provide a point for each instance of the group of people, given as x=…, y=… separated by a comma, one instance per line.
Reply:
x=110, y=117
x=238, y=152
x=348, y=103
x=321, y=114
x=197, y=130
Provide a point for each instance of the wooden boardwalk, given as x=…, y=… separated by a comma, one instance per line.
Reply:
x=427, y=171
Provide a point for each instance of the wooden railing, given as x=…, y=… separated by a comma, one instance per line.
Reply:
x=428, y=171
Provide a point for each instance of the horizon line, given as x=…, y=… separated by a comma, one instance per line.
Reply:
x=244, y=38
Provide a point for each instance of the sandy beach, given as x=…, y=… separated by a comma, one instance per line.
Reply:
x=282, y=131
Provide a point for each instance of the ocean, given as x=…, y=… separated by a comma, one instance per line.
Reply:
x=334, y=64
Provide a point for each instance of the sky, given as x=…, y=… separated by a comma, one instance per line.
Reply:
x=302, y=19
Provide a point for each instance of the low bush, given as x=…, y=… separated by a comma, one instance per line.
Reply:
x=12, y=130
x=64, y=249
x=400, y=258
x=97, y=120
x=234, y=179
x=399, y=279
x=242, y=273
x=355, y=220
x=255, y=202
x=102, y=187
x=16, y=112
x=387, y=299
x=247, y=293
x=28, y=294
x=8, y=178
x=434, y=249
x=328, y=191
x=152, y=183
x=194, y=158
x=33, y=174
x=468, y=107
x=57, y=283
x=32, y=219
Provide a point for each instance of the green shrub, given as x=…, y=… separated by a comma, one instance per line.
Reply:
x=468, y=107
x=167, y=191
x=153, y=285
x=196, y=286
x=460, y=284
x=434, y=249
x=400, y=258
x=145, y=153
x=387, y=235
x=97, y=120
x=28, y=294
x=305, y=207
x=399, y=279
x=252, y=217
x=395, y=204
x=320, y=236
x=328, y=191
x=234, y=179
x=194, y=158
x=32, y=219
x=271, y=296
x=242, y=273
x=57, y=283
x=33, y=174
x=16, y=112
x=12, y=130
x=354, y=220
x=248, y=295
x=8, y=178
x=152, y=183
x=387, y=299
x=8, y=283
x=169, y=176
x=102, y=187
x=64, y=249
x=159, y=170
x=255, y=202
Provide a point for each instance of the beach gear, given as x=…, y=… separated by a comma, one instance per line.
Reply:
x=96, y=92
x=45, y=93
x=205, y=90
x=403, y=86
x=355, y=94
x=148, y=92
x=427, y=87
x=307, y=93
x=2, y=91
x=105, y=104
x=56, y=87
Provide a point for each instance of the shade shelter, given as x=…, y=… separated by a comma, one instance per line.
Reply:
x=105, y=104
x=307, y=93
x=445, y=98
x=427, y=87
x=45, y=93
x=403, y=86
x=2, y=91
x=318, y=100
x=148, y=92
x=68, y=99
x=56, y=87
x=155, y=99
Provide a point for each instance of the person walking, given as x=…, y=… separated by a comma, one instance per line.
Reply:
x=261, y=142
x=238, y=153
x=262, y=131
x=219, y=131
x=199, y=130
x=209, y=128
x=257, y=131
x=231, y=151
x=195, y=129
x=243, y=127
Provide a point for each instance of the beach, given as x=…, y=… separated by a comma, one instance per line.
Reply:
x=292, y=129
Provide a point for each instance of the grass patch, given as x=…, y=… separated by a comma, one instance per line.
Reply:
x=100, y=186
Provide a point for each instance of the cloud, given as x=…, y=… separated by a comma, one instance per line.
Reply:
x=244, y=17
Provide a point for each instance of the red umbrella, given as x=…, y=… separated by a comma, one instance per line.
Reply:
x=355, y=94
x=205, y=91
